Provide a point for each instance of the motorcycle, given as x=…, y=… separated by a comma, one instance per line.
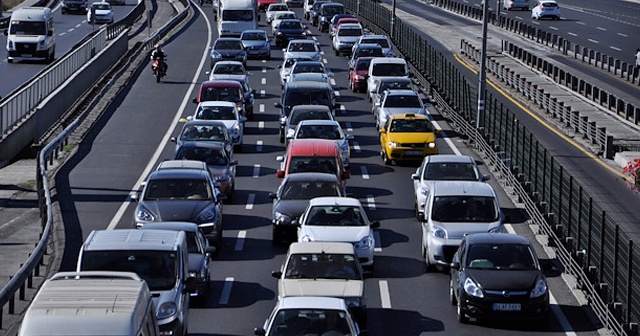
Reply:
x=159, y=69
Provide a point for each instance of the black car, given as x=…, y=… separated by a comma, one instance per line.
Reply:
x=289, y=29
x=327, y=11
x=498, y=276
x=293, y=196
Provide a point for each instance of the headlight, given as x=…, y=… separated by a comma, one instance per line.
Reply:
x=207, y=215
x=236, y=128
x=304, y=34
x=432, y=145
x=216, y=55
x=358, y=77
x=41, y=44
x=279, y=34
x=364, y=243
x=166, y=310
x=307, y=239
x=352, y=302
x=280, y=218
x=144, y=215
x=290, y=132
x=471, y=288
x=222, y=178
x=540, y=289
x=438, y=232
x=393, y=144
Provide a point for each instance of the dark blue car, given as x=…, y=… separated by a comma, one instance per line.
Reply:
x=289, y=29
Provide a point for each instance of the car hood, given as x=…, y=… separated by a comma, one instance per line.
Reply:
x=196, y=260
x=160, y=297
x=301, y=54
x=412, y=137
x=103, y=12
x=504, y=280
x=218, y=170
x=290, y=31
x=229, y=124
x=335, y=233
x=321, y=287
x=291, y=208
x=347, y=39
x=403, y=110
x=232, y=52
x=239, y=78
x=457, y=230
x=254, y=43
x=187, y=210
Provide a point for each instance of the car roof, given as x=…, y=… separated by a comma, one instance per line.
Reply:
x=182, y=164
x=228, y=62
x=203, y=144
x=311, y=177
x=408, y=116
x=216, y=103
x=308, y=62
x=179, y=173
x=316, y=147
x=343, y=201
x=373, y=36
x=201, y=122
x=308, y=85
x=402, y=93
x=133, y=239
x=318, y=122
x=254, y=31
x=496, y=238
x=394, y=79
x=369, y=45
x=319, y=108
x=467, y=188
x=171, y=226
x=311, y=302
x=389, y=60
x=349, y=25
x=363, y=59
x=220, y=83
x=321, y=247
x=227, y=39
x=303, y=41
x=449, y=158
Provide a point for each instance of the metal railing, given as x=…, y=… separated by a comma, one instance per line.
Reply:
x=587, y=241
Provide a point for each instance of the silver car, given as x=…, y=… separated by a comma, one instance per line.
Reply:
x=204, y=130
x=397, y=102
x=345, y=37
x=302, y=112
x=303, y=48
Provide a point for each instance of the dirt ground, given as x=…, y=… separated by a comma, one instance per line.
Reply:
x=8, y=4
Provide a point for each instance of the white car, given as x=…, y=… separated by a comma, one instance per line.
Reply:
x=545, y=8
x=228, y=68
x=397, y=102
x=324, y=129
x=227, y=113
x=273, y=9
x=103, y=13
x=383, y=40
x=303, y=68
x=279, y=16
x=442, y=167
x=287, y=64
x=345, y=37
x=303, y=48
x=453, y=210
x=323, y=269
x=339, y=219
x=389, y=83
x=309, y=315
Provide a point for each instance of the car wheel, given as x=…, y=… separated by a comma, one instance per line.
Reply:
x=415, y=208
x=337, y=52
x=428, y=266
x=385, y=158
x=353, y=87
x=462, y=318
x=276, y=236
x=452, y=294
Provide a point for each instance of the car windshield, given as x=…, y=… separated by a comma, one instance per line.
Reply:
x=177, y=190
x=257, y=36
x=308, y=97
x=467, y=209
x=313, y=164
x=230, y=94
x=291, y=61
x=387, y=85
x=402, y=101
x=384, y=43
x=444, y=171
x=237, y=15
x=322, y=266
x=389, y=69
x=310, y=322
x=27, y=28
x=350, y=32
x=210, y=156
x=334, y=215
x=332, y=10
x=515, y=257
x=159, y=269
x=217, y=113
x=363, y=65
x=308, y=190
x=410, y=125
x=290, y=25
x=203, y=133
x=228, y=69
x=101, y=6
x=303, y=47
x=276, y=8
x=331, y=132
x=298, y=116
x=229, y=45
x=308, y=67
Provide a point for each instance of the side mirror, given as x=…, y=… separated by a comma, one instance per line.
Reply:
x=438, y=131
x=295, y=222
x=280, y=158
x=284, y=49
x=189, y=118
x=190, y=285
x=50, y=33
x=272, y=195
x=375, y=224
x=346, y=175
x=221, y=197
x=210, y=250
x=278, y=105
x=173, y=139
x=336, y=105
x=415, y=176
x=6, y=32
x=330, y=74
x=194, y=100
x=135, y=197
x=349, y=137
x=421, y=217
x=455, y=265
x=243, y=119
x=486, y=177
x=276, y=274
x=280, y=173
x=183, y=120
x=233, y=163
x=259, y=331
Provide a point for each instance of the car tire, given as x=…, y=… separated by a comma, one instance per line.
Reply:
x=276, y=236
x=452, y=294
x=387, y=161
x=337, y=52
x=462, y=318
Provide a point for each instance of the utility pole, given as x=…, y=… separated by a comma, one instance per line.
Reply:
x=482, y=76
x=393, y=20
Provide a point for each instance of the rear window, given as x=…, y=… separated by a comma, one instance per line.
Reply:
x=350, y=32
x=389, y=69
x=237, y=15
x=550, y=5
x=313, y=164
x=306, y=96
x=468, y=209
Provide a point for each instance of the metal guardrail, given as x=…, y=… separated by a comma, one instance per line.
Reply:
x=30, y=269
x=589, y=243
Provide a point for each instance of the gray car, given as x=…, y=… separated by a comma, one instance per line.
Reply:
x=292, y=198
x=256, y=43
x=398, y=102
x=199, y=253
x=228, y=49
x=204, y=130
x=181, y=194
x=303, y=48
x=300, y=113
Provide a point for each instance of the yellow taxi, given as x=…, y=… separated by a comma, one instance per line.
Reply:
x=407, y=137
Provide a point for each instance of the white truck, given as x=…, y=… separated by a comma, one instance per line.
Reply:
x=236, y=16
x=31, y=35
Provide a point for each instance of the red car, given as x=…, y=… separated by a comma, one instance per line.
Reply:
x=222, y=90
x=341, y=21
x=263, y=4
x=358, y=74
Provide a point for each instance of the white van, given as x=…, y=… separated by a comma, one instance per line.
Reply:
x=31, y=35
x=91, y=303
x=385, y=67
x=160, y=257
x=236, y=16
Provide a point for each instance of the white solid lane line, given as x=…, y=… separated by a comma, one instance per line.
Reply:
x=226, y=291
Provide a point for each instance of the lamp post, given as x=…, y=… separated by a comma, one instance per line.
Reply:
x=482, y=76
x=393, y=19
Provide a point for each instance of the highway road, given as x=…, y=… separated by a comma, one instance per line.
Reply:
x=129, y=140
x=69, y=30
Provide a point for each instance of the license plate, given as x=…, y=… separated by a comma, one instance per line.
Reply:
x=507, y=306
x=25, y=55
x=413, y=153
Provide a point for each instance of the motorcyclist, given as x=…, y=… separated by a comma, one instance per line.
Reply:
x=161, y=56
